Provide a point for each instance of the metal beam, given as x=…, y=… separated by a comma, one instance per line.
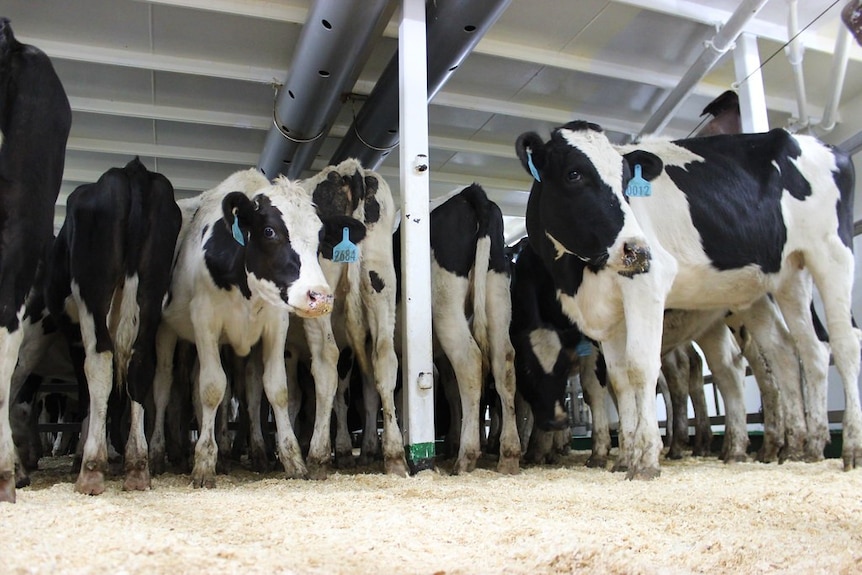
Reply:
x=714, y=50
x=168, y=113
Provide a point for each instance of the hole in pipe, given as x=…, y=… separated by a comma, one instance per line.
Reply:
x=326, y=24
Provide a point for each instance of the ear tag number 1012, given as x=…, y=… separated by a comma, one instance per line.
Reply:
x=345, y=251
x=638, y=187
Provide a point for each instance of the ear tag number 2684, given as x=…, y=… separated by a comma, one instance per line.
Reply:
x=638, y=187
x=345, y=251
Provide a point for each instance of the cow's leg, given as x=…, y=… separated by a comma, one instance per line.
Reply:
x=773, y=418
x=274, y=385
x=702, y=427
x=9, y=345
x=834, y=277
x=448, y=383
x=136, y=468
x=343, y=443
x=98, y=367
x=460, y=348
x=728, y=371
x=794, y=300
x=779, y=357
x=370, y=408
x=595, y=395
x=502, y=353
x=211, y=383
x=166, y=344
x=525, y=421
x=677, y=386
x=253, y=396
x=324, y=360
x=663, y=390
x=377, y=304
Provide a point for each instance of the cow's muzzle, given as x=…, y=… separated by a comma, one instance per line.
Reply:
x=635, y=259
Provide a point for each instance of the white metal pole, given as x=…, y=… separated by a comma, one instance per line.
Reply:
x=417, y=368
x=752, y=97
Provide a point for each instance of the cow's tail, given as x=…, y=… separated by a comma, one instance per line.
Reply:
x=477, y=198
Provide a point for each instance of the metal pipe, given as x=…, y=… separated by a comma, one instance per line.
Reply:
x=332, y=48
x=852, y=144
x=453, y=28
x=794, y=55
x=839, y=69
x=714, y=49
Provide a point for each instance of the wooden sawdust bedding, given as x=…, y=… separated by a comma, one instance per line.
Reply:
x=701, y=516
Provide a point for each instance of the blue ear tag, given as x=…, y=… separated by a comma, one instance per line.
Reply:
x=345, y=251
x=638, y=187
x=532, y=166
x=237, y=233
x=584, y=348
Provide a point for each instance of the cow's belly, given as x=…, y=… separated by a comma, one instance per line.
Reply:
x=706, y=288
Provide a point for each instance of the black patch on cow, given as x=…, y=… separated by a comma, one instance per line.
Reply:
x=372, y=206
x=345, y=362
x=845, y=179
x=458, y=223
x=738, y=211
x=225, y=260
x=333, y=195
x=204, y=231
x=377, y=282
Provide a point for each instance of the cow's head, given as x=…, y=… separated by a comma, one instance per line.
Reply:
x=282, y=234
x=542, y=369
x=577, y=205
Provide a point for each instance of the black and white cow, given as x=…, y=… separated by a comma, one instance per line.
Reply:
x=471, y=312
x=363, y=318
x=246, y=258
x=35, y=118
x=728, y=219
x=107, y=279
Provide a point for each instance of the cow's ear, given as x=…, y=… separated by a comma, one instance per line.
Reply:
x=651, y=165
x=333, y=233
x=237, y=212
x=531, y=151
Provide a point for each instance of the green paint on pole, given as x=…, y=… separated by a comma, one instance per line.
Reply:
x=420, y=456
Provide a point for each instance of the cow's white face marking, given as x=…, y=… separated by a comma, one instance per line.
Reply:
x=601, y=154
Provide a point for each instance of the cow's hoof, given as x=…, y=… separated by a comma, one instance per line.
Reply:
x=643, y=474
x=852, y=457
x=22, y=481
x=259, y=461
x=7, y=487
x=203, y=479
x=674, y=453
x=735, y=458
x=294, y=469
x=464, y=465
x=90, y=482
x=345, y=461
x=508, y=465
x=596, y=461
x=316, y=471
x=157, y=465
x=137, y=476
x=395, y=466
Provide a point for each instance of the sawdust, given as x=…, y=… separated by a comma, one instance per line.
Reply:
x=700, y=517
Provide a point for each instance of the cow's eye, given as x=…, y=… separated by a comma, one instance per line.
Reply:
x=573, y=176
x=268, y=232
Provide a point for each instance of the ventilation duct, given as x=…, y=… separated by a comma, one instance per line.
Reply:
x=330, y=53
x=453, y=29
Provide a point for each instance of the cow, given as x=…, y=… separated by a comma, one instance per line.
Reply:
x=363, y=319
x=547, y=342
x=108, y=274
x=34, y=127
x=246, y=258
x=725, y=119
x=471, y=312
x=702, y=223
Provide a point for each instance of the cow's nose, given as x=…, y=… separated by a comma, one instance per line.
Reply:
x=319, y=302
x=636, y=258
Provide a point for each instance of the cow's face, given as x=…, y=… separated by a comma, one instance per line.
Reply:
x=577, y=207
x=282, y=234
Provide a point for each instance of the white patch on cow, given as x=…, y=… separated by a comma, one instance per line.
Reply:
x=561, y=250
x=546, y=347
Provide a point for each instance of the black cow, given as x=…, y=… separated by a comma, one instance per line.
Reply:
x=107, y=280
x=35, y=118
x=723, y=221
